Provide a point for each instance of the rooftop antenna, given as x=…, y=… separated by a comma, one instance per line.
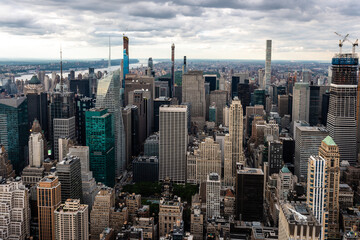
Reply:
x=109, y=64
x=341, y=41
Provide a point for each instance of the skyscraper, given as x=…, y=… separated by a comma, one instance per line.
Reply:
x=173, y=135
x=14, y=210
x=329, y=151
x=193, y=92
x=267, y=77
x=341, y=120
x=68, y=171
x=184, y=66
x=48, y=199
x=317, y=186
x=172, y=90
x=126, y=68
x=229, y=176
x=63, y=128
x=236, y=132
x=301, y=102
x=14, y=130
x=109, y=97
x=100, y=139
x=213, y=185
x=72, y=221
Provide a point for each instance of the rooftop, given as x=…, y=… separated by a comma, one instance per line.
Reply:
x=329, y=141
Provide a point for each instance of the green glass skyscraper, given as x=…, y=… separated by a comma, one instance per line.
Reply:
x=100, y=139
x=14, y=131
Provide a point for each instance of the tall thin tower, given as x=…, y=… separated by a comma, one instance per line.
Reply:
x=341, y=120
x=61, y=76
x=267, y=77
x=125, y=58
x=172, y=90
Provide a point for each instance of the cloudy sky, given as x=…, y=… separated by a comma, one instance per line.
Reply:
x=223, y=29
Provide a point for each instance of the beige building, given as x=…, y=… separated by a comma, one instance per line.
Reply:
x=170, y=212
x=197, y=223
x=229, y=178
x=48, y=199
x=72, y=221
x=220, y=98
x=330, y=152
x=229, y=203
x=301, y=102
x=236, y=132
x=148, y=227
x=14, y=210
x=100, y=213
x=296, y=221
x=119, y=215
x=193, y=92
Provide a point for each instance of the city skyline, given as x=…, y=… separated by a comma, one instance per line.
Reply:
x=206, y=29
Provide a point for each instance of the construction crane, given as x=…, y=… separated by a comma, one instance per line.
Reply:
x=341, y=41
x=354, y=44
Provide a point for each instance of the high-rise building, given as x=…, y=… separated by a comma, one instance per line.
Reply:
x=36, y=149
x=329, y=151
x=315, y=107
x=89, y=186
x=296, y=221
x=68, y=171
x=171, y=211
x=220, y=98
x=267, y=77
x=249, y=194
x=275, y=156
x=259, y=97
x=229, y=176
x=184, y=66
x=82, y=105
x=301, y=101
x=37, y=103
x=317, y=186
x=341, y=119
x=14, y=210
x=126, y=68
x=172, y=89
x=213, y=185
x=72, y=221
x=146, y=169
x=193, y=92
x=100, y=139
x=283, y=105
x=109, y=97
x=48, y=199
x=212, y=79
x=244, y=94
x=126, y=116
x=261, y=75
x=6, y=168
x=100, y=213
x=308, y=140
x=14, y=130
x=236, y=131
x=63, y=128
x=151, y=145
x=157, y=103
x=173, y=135
x=285, y=183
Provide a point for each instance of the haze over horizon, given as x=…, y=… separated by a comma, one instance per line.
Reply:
x=213, y=29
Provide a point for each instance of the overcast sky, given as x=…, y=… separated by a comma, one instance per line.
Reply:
x=223, y=29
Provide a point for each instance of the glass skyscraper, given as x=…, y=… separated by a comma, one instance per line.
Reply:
x=100, y=140
x=14, y=131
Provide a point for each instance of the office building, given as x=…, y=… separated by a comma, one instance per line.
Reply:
x=6, y=168
x=135, y=144
x=213, y=185
x=126, y=116
x=37, y=103
x=220, y=98
x=308, y=140
x=267, y=77
x=14, y=130
x=157, y=103
x=126, y=68
x=193, y=92
x=63, y=128
x=258, y=97
x=236, y=131
x=48, y=199
x=197, y=223
x=36, y=149
x=14, y=210
x=296, y=221
x=72, y=221
x=173, y=134
x=100, y=140
x=100, y=213
x=68, y=171
x=341, y=119
x=229, y=176
x=212, y=79
x=275, y=156
x=329, y=151
x=151, y=145
x=249, y=190
x=146, y=169
x=315, y=107
x=81, y=86
x=301, y=102
x=283, y=105
x=171, y=211
x=317, y=185
x=244, y=94
x=285, y=183
x=109, y=96
x=251, y=113
x=82, y=105
x=172, y=90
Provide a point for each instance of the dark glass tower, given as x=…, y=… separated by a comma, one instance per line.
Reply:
x=126, y=68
